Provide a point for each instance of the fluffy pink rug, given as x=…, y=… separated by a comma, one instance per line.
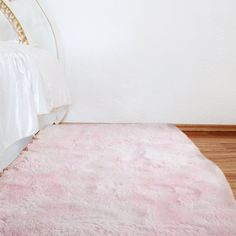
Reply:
x=127, y=180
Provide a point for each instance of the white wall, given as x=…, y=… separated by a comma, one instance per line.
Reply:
x=149, y=60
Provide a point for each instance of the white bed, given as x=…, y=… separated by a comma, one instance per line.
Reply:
x=33, y=91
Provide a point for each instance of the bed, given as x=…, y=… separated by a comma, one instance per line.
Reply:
x=33, y=90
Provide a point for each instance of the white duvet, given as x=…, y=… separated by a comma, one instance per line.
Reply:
x=32, y=83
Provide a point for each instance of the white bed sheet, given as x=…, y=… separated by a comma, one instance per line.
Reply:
x=32, y=83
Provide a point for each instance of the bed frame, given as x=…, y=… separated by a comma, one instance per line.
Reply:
x=55, y=117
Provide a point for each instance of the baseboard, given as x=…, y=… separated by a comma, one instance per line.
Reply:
x=207, y=128
x=185, y=127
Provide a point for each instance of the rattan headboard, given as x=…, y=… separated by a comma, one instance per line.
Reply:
x=4, y=8
x=30, y=25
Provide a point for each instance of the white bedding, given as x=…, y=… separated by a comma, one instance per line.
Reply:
x=32, y=83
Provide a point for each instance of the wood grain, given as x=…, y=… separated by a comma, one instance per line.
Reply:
x=220, y=147
x=205, y=127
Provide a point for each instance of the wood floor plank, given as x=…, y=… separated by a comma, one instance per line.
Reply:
x=219, y=147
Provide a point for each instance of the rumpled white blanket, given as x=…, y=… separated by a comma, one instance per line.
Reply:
x=32, y=82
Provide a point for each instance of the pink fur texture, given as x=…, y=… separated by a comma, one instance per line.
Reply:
x=111, y=180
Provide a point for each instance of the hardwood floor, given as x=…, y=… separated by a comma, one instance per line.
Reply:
x=220, y=147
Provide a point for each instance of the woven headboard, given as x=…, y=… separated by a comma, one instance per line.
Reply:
x=5, y=9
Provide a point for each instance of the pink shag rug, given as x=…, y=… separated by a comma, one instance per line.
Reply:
x=110, y=180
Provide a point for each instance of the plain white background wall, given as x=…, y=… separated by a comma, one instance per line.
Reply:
x=149, y=60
